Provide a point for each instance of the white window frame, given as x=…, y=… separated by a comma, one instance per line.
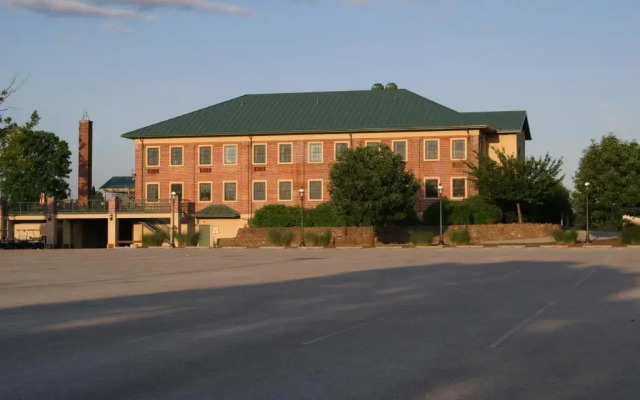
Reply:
x=335, y=152
x=285, y=144
x=253, y=193
x=224, y=191
x=147, y=156
x=321, y=152
x=253, y=153
x=210, y=192
x=465, y=148
x=210, y=155
x=424, y=149
x=309, y=189
x=281, y=181
x=379, y=142
x=406, y=148
x=171, y=191
x=146, y=192
x=181, y=156
x=224, y=157
x=424, y=190
x=466, y=187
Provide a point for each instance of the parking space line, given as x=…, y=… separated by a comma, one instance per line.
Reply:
x=521, y=325
x=582, y=280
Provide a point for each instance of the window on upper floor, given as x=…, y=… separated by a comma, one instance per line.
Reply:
x=230, y=154
x=339, y=147
x=204, y=155
x=259, y=153
x=400, y=148
x=153, y=156
x=431, y=149
x=315, y=152
x=284, y=153
x=458, y=149
x=176, y=156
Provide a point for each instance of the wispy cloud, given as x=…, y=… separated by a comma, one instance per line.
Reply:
x=117, y=28
x=122, y=8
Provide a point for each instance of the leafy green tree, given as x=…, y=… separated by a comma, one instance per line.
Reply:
x=370, y=187
x=513, y=181
x=32, y=162
x=612, y=168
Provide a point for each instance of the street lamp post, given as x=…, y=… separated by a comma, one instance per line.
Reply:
x=301, y=192
x=440, y=188
x=586, y=186
x=173, y=199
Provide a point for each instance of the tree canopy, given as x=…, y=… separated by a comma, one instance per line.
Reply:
x=514, y=181
x=370, y=187
x=612, y=168
x=31, y=161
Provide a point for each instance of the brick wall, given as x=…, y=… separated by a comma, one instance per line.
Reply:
x=299, y=172
x=85, y=144
x=257, y=237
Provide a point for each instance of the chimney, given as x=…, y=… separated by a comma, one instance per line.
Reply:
x=85, y=144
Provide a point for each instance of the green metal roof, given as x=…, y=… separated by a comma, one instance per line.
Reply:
x=320, y=112
x=217, y=211
x=503, y=121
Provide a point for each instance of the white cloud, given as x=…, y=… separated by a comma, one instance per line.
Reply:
x=122, y=8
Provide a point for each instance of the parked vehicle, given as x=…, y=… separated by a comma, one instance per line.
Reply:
x=19, y=244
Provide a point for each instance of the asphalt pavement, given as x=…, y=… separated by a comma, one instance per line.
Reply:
x=443, y=324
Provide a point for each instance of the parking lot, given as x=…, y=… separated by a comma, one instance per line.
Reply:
x=491, y=323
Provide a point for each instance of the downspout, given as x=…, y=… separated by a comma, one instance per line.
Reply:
x=351, y=140
x=143, y=157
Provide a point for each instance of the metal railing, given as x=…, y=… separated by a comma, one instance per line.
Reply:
x=75, y=206
x=143, y=205
x=32, y=208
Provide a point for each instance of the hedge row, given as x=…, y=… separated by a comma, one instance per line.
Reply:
x=473, y=210
x=281, y=216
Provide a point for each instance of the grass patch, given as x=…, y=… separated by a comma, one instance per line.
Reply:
x=187, y=239
x=630, y=234
x=460, y=236
x=318, y=239
x=565, y=236
x=278, y=238
x=421, y=237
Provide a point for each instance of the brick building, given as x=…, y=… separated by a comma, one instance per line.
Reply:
x=260, y=149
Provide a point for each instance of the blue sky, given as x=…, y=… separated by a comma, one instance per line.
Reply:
x=572, y=64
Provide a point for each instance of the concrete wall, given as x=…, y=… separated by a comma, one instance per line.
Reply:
x=222, y=228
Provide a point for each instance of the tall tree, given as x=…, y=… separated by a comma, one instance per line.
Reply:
x=514, y=181
x=612, y=168
x=370, y=187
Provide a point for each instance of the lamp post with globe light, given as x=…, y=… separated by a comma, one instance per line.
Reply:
x=440, y=188
x=301, y=192
x=586, y=186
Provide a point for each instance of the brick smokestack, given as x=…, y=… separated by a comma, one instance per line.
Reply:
x=85, y=158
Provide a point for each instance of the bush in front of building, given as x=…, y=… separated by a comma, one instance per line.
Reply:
x=630, y=234
x=565, y=236
x=460, y=236
x=154, y=239
x=318, y=239
x=281, y=216
x=278, y=238
x=470, y=211
x=187, y=239
x=421, y=237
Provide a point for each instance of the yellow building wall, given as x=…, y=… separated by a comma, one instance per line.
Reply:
x=26, y=230
x=222, y=228
x=509, y=143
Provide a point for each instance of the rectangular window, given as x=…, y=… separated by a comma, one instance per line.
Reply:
x=177, y=189
x=459, y=188
x=285, y=191
x=259, y=191
x=152, y=192
x=153, y=156
x=339, y=148
x=430, y=188
x=315, y=152
x=373, y=144
x=458, y=149
x=205, y=155
x=284, y=153
x=230, y=154
x=204, y=191
x=400, y=148
x=176, y=156
x=259, y=153
x=431, y=149
x=315, y=190
x=229, y=191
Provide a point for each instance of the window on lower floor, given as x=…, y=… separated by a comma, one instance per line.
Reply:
x=259, y=191
x=177, y=189
x=152, y=191
x=204, y=192
x=285, y=191
x=430, y=188
x=230, y=191
x=459, y=187
x=315, y=190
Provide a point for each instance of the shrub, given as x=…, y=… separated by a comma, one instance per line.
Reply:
x=278, y=238
x=460, y=236
x=276, y=215
x=154, y=239
x=318, y=239
x=473, y=210
x=192, y=238
x=630, y=234
x=565, y=236
x=324, y=215
x=431, y=215
x=421, y=237
x=483, y=211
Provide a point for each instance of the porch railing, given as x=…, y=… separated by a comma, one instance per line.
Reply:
x=75, y=206
x=100, y=206
x=33, y=208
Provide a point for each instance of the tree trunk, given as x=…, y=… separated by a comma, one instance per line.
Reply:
x=519, y=213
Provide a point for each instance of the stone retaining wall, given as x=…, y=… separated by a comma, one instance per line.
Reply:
x=258, y=237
